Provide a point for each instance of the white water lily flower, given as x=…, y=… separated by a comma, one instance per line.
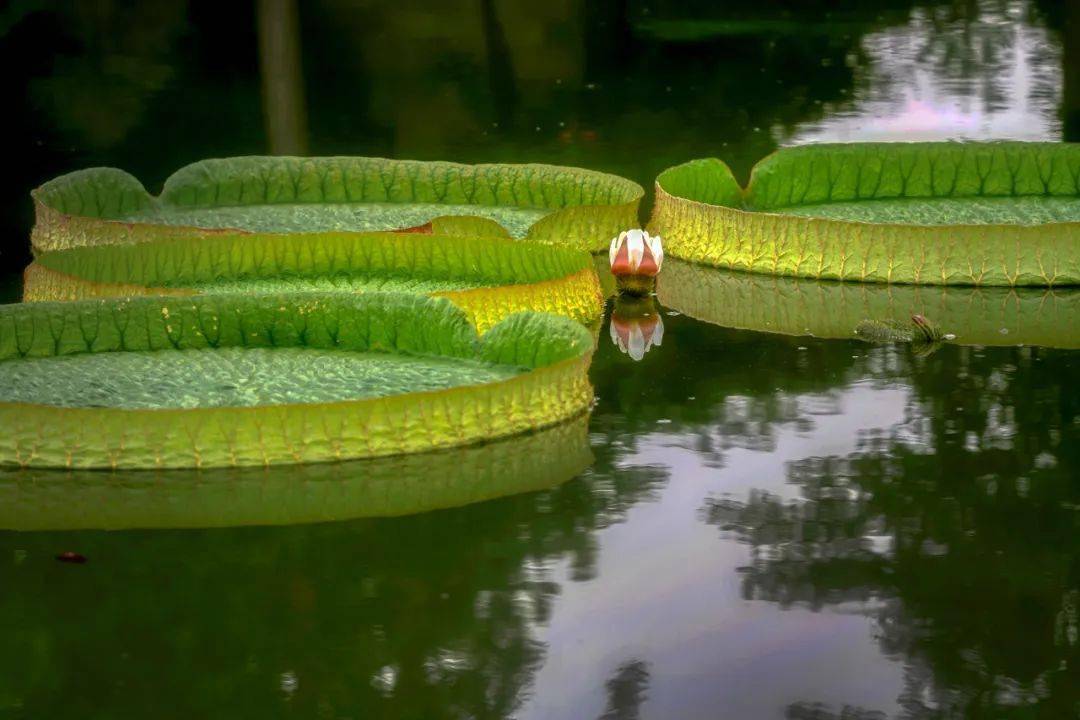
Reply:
x=635, y=252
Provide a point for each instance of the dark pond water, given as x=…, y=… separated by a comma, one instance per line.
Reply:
x=771, y=526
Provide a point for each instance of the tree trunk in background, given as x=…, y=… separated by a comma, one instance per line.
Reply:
x=1070, y=102
x=501, y=79
x=282, y=81
x=609, y=39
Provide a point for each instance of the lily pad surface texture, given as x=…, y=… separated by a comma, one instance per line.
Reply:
x=227, y=381
x=982, y=214
x=564, y=206
x=984, y=316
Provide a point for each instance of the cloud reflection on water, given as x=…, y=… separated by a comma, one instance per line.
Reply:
x=987, y=69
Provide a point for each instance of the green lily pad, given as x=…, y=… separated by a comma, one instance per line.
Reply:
x=550, y=204
x=949, y=211
x=794, y=306
x=221, y=381
x=232, y=377
x=1003, y=213
x=309, y=217
x=330, y=283
x=489, y=277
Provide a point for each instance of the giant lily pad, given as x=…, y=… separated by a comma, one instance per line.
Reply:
x=488, y=277
x=1004, y=213
x=545, y=203
x=825, y=309
x=237, y=381
x=32, y=499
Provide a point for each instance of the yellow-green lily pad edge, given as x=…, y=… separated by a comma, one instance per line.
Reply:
x=238, y=381
x=941, y=213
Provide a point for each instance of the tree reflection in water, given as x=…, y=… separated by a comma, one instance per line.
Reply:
x=431, y=615
x=627, y=691
x=704, y=396
x=957, y=530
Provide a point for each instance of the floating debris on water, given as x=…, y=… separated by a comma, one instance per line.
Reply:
x=920, y=332
x=918, y=329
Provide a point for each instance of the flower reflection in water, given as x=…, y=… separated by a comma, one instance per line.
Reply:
x=636, y=325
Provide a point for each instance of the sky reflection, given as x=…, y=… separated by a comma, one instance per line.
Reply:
x=954, y=71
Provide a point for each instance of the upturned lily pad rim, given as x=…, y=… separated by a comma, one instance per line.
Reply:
x=552, y=351
x=476, y=261
x=499, y=275
x=705, y=216
x=595, y=220
x=738, y=198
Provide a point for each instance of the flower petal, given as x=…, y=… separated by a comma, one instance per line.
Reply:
x=621, y=264
x=657, y=248
x=648, y=265
x=635, y=243
x=616, y=242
